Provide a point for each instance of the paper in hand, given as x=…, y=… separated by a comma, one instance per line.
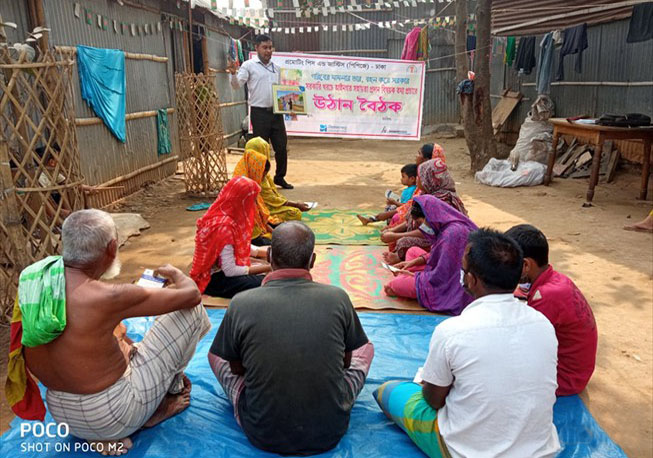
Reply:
x=311, y=205
x=389, y=267
x=391, y=195
x=149, y=280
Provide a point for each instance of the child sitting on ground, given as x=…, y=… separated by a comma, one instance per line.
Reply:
x=408, y=179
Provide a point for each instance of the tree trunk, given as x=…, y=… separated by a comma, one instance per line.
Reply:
x=462, y=62
x=476, y=108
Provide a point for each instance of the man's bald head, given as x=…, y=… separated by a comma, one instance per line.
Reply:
x=292, y=246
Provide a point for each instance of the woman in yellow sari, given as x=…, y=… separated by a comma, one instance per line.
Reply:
x=255, y=166
x=281, y=209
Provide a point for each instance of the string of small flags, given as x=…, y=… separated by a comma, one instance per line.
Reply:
x=311, y=9
x=437, y=22
x=93, y=18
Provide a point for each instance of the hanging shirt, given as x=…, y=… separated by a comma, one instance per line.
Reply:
x=575, y=42
x=557, y=297
x=510, y=51
x=525, y=59
x=544, y=64
x=259, y=78
x=641, y=23
x=410, y=44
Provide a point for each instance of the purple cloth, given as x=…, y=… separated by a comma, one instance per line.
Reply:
x=410, y=45
x=438, y=285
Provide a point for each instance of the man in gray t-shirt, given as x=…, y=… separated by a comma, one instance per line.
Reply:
x=292, y=355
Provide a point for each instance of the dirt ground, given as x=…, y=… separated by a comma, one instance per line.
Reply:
x=613, y=268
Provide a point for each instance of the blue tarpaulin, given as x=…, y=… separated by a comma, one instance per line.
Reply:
x=207, y=428
x=102, y=80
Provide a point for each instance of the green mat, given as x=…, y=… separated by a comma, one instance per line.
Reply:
x=341, y=227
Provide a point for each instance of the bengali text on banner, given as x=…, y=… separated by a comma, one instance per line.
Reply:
x=354, y=97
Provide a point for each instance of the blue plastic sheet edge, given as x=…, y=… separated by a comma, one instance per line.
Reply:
x=207, y=428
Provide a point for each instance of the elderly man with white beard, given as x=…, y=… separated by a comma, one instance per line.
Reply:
x=98, y=381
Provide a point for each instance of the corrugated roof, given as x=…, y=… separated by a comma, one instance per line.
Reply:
x=526, y=17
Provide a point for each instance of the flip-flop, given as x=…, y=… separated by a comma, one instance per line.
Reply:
x=638, y=229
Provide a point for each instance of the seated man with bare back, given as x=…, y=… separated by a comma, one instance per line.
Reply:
x=104, y=386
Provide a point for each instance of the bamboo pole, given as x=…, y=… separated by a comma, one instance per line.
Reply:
x=128, y=117
x=39, y=15
x=9, y=209
x=147, y=168
x=35, y=65
x=128, y=55
x=232, y=104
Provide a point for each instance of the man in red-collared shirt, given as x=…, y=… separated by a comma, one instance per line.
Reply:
x=558, y=298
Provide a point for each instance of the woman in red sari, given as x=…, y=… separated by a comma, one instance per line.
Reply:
x=221, y=261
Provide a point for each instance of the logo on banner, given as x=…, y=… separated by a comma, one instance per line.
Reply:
x=323, y=127
x=411, y=69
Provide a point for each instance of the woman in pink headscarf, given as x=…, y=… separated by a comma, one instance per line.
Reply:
x=433, y=178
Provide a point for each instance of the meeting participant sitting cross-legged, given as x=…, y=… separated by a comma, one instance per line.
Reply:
x=292, y=356
x=489, y=379
x=558, y=298
x=67, y=324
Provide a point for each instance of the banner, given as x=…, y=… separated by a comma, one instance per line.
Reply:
x=354, y=97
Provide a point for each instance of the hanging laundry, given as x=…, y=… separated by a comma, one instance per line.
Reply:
x=471, y=49
x=471, y=42
x=241, y=57
x=233, y=50
x=423, y=44
x=641, y=23
x=163, y=132
x=410, y=45
x=574, y=42
x=510, y=51
x=102, y=80
x=525, y=58
x=544, y=64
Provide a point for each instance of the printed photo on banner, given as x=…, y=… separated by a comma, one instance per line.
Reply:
x=289, y=99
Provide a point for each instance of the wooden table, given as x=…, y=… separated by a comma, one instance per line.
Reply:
x=596, y=135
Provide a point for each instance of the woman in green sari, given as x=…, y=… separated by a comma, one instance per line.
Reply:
x=281, y=209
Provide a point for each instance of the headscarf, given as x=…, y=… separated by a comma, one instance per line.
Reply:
x=269, y=193
x=435, y=150
x=438, y=285
x=437, y=182
x=252, y=165
x=229, y=221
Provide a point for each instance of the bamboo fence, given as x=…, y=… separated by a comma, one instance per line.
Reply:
x=200, y=134
x=40, y=179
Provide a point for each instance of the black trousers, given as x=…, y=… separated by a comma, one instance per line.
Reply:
x=223, y=286
x=271, y=128
x=261, y=241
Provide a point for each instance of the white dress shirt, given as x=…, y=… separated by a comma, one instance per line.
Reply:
x=500, y=357
x=259, y=78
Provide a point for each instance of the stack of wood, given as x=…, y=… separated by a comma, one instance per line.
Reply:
x=574, y=160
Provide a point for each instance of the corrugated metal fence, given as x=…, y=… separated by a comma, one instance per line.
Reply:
x=440, y=104
x=605, y=85
x=149, y=84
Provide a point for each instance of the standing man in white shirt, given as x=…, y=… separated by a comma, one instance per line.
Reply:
x=260, y=73
x=490, y=373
